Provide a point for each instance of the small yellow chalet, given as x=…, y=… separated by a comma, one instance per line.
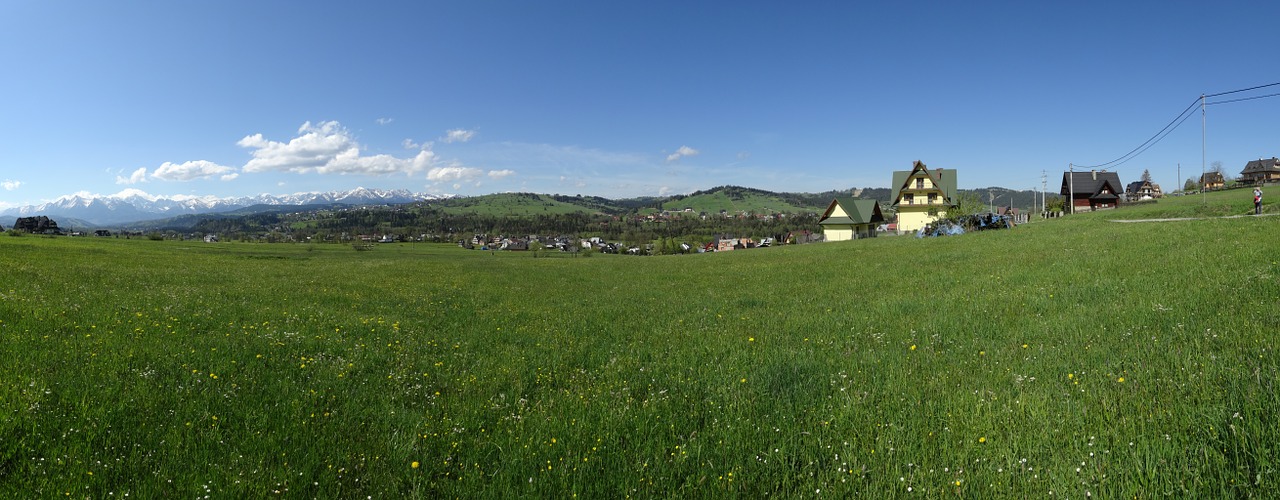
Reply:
x=851, y=219
x=921, y=196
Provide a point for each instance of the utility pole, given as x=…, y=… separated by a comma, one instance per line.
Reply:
x=1033, y=203
x=1071, y=187
x=1044, y=185
x=1203, y=200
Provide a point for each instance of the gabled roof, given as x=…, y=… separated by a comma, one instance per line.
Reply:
x=1262, y=165
x=1211, y=177
x=856, y=212
x=1136, y=186
x=943, y=178
x=1090, y=184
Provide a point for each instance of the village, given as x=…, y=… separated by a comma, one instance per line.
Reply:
x=925, y=202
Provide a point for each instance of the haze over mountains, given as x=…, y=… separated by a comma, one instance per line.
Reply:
x=133, y=205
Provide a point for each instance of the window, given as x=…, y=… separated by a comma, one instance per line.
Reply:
x=919, y=183
x=909, y=199
x=933, y=198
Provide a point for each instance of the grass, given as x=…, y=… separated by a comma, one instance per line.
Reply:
x=742, y=200
x=1211, y=204
x=1069, y=357
x=509, y=204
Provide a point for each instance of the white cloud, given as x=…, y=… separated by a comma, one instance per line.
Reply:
x=384, y=121
x=457, y=135
x=409, y=144
x=682, y=152
x=498, y=174
x=10, y=185
x=326, y=148
x=139, y=175
x=445, y=174
x=664, y=190
x=191, y=170
x=230, y=177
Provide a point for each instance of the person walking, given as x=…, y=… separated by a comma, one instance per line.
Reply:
x=1257, y=200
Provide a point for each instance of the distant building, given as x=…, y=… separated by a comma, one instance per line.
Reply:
x=1142, y=190
x=1261, y=171
x=850, y=219
x=1092, y=190
x=39, y=225
x=920, y=195
x=1210, y=181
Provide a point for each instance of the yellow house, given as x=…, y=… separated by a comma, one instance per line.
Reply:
x=921, y=195
x=850, y=219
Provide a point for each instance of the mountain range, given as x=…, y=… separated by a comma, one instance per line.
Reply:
x=132, y=205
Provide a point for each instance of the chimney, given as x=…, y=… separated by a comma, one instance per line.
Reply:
x=1095, y=174
x=939, y=173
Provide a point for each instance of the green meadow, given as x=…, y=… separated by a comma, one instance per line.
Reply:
x=1065, y=358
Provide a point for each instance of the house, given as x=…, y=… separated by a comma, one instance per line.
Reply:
x=802, y=237
x=1142, y=190
x=1210, y=181
x=921, y=195
x=1261, y=171
x=1092, y=190
x=850, y=219
x=38, y=225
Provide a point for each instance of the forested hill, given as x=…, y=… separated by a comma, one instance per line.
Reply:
x=721, y=210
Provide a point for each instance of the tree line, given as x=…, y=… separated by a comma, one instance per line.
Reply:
x=427, y=222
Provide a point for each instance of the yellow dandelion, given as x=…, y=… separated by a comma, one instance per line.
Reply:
x=913, y=347
x=1121, y=380
x=982, y=439
x=1024, y=346
x=414, y=465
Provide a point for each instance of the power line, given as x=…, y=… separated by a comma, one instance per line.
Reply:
x=1148, y=143
x=1241, y=99
x=1243, y=90
x=1184, y=119
x=1179, y=120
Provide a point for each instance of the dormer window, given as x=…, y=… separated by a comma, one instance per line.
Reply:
x=919, y=183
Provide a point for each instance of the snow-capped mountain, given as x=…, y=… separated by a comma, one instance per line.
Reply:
x=132, y=205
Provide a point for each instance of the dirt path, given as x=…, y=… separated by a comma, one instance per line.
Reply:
x=1192, y=218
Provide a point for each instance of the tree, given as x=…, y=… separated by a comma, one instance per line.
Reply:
x=1146, y=175
x=1217, y=168
x=1055, y=203
x=1191, y=185
x=966, y=204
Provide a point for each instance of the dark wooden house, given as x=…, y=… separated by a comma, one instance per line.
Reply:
x=1092, y=190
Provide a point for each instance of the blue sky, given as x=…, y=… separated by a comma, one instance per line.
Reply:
x=616, y=99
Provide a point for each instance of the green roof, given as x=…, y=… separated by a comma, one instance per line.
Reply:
x=944, y=178
x=859, y=212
